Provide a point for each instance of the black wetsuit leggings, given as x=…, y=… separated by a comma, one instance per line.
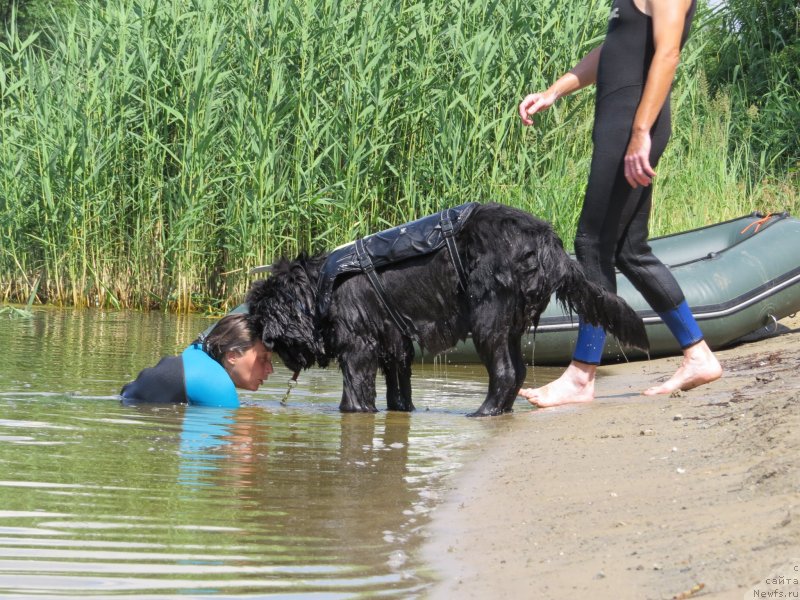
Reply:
x=613, y=226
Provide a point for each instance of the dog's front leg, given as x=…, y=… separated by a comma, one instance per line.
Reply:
x=359, y=369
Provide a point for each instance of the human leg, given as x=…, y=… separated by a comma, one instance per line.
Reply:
x=699, y=365
x=576, y=383
x=659, y=287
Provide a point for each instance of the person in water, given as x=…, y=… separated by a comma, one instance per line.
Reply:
x=633, y=71
x=208, y=372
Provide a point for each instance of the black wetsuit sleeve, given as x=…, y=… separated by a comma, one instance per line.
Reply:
x=163, y=383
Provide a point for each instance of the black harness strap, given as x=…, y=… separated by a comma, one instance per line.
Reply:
x=417, y=238
x=449, y=237
x=365, y=262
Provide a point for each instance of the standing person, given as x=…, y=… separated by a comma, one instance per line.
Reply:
x=633, y=71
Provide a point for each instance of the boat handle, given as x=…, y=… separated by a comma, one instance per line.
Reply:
x=774, y=324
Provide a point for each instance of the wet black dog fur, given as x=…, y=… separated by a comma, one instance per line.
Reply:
x=514, y=262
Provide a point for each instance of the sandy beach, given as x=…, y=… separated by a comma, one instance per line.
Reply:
x=691, y=496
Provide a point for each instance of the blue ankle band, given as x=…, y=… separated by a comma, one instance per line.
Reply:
x=682, y=325
x=589, y=347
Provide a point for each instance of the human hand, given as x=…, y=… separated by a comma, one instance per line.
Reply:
x=533, y=103
x=637, y=160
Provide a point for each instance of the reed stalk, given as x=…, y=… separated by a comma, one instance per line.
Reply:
x=153, y=151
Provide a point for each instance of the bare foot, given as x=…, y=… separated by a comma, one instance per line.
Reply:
x=699, y=366
x=576, y=384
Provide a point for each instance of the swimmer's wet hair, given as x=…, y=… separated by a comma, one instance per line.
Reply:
x=232, y=333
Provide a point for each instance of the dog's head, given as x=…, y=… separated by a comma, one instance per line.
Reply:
x=284, y=306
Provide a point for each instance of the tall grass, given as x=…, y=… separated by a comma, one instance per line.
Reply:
x=153, y=151
x=757, y=62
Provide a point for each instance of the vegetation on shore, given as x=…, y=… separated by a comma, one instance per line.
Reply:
x=153, y=151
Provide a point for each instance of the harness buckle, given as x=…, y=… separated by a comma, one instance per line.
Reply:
x=447, y=226
x=364, y=261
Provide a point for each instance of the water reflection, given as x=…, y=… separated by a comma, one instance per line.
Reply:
x=205, y=431
x=345, y=492
x=158, y=501
x=207, y=500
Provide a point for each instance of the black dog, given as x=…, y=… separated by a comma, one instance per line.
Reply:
x=492, y=279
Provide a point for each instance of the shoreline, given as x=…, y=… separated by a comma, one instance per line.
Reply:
x=692, y=495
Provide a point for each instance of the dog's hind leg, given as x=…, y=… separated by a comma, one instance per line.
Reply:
x=398, y=381
x=359, y=370
x=520, y=371
x=501, y=353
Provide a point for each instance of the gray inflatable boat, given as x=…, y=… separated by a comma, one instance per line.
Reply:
x=738, y=276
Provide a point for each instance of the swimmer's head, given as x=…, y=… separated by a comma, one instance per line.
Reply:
x=235, y=343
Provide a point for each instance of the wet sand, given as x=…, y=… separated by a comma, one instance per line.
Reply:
x=691, y=496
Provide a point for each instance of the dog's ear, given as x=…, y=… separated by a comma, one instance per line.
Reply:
x=283, y=306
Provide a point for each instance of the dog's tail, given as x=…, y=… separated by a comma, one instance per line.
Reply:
x=598, y=306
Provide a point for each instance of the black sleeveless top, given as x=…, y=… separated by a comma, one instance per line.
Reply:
x=628, y=47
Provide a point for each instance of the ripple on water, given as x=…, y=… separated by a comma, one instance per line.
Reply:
x=301, y=501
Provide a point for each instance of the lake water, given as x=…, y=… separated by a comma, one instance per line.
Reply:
x=296, y=501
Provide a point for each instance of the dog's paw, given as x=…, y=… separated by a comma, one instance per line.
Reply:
x=495, y=412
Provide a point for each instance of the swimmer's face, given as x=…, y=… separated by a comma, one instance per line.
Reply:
x=250, y=368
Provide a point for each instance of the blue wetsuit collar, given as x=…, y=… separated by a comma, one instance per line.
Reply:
x=207, y=382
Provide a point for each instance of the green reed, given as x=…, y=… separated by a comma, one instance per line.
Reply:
x=757, y=63
x=154, y=151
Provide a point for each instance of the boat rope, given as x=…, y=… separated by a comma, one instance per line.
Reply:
x=757, y=224
x=292, y=384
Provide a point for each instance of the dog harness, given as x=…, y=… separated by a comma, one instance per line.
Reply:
x=366, y=255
